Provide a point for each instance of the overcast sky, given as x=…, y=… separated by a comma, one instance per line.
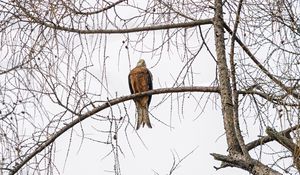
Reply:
x=186, y=126
x=196, y=127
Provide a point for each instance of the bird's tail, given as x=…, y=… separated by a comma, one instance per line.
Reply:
x=143, y=117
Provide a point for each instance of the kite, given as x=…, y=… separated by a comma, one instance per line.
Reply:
x=140, y=80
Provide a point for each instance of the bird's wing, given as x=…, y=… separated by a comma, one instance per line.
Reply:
x=150, y=85
x=140, y=80
x=130, y=83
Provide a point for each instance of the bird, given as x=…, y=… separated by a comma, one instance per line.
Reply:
x=140, y=80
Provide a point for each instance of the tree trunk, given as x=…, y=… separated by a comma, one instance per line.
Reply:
x=224, y=81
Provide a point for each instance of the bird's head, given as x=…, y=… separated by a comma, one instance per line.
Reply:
x=141, y=62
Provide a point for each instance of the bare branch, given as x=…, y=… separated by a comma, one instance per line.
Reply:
x=234, y=84
x=289, y=90
x=252, y=166
x=287, y=143
x=114, y=31
x=266, y=139
x=93, y=12
x=108, y=104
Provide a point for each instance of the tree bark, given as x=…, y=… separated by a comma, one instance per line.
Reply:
x=251, y=165
x=236, y=158
x=224, y=81
x=287, y=143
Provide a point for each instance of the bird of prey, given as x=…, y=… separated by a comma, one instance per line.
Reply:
x=140, y=80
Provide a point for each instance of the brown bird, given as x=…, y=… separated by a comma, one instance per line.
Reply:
x=140, y=80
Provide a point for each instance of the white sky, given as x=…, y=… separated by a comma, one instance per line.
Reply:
x=154, y=152
x=203, y=133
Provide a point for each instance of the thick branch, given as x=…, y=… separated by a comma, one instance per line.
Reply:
x=132, y=30
x=224, y=81
x=115, y=101
x=107, y=104
x=251, y=165
x=287, y=143
x=284, y=141
x=267, y=139
x=234, y=85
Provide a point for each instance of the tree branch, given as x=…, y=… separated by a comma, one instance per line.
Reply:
x=107, y=104
x=289, y=90
x=224, y=81
x=287, y=143
x=93, y=12
x=251, y=165
x=267, y=139
x=113, y=31
x=280, y=138
x=234, y=85
x=115, y=101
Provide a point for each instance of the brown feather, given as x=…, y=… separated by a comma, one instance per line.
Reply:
x=140, y=81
